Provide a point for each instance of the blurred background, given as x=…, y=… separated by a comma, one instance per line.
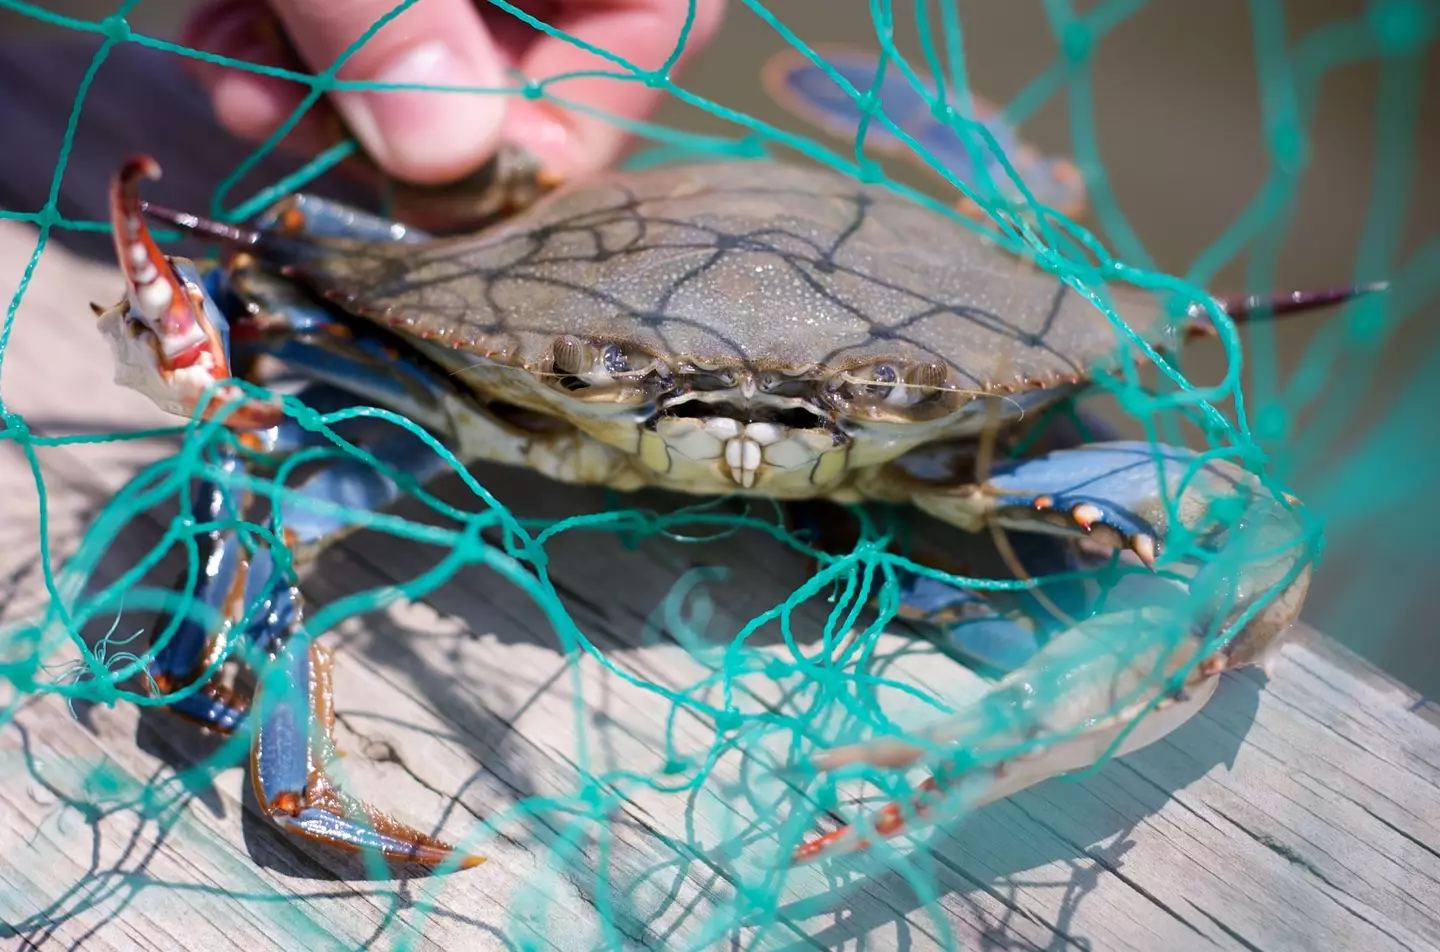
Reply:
x=1179, y=118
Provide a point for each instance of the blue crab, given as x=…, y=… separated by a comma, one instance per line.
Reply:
x=758, y=328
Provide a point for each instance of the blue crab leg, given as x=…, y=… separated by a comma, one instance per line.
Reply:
x=294, y=741
x=1105, y=493
x=292, y=751
x=1108, y=493
x=194, y=647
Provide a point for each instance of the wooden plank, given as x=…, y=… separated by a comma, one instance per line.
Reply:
x=1296, y=814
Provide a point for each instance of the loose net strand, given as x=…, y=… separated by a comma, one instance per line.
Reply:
x=828, y=681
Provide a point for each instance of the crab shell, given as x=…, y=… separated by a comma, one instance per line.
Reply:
x=758, y=327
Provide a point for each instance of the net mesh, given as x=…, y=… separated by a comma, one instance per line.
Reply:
x=755, y=696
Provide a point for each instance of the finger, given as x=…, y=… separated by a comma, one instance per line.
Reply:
x=249, y=105
x=422, y=137
x=641, y=32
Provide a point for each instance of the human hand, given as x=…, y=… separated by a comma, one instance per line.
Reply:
x=431, y=138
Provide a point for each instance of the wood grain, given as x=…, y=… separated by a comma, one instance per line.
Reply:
x=1301, y=813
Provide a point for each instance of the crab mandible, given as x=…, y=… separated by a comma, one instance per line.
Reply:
x=746, y=327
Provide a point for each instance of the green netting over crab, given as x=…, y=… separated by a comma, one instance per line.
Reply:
x=747, y=327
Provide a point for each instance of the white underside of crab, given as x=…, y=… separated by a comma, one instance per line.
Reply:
x=139, y=367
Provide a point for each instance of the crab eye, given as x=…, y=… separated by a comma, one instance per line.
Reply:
x=889, y=385
x=614, y=360
x=921, y=382
x=602, y=366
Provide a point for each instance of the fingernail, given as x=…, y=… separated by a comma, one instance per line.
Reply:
x=428, y=137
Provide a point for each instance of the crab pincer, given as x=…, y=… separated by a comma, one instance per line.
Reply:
x=169, y=339
x=1129, y=675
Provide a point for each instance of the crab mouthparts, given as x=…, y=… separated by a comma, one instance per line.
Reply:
x=743, y=448
x=742, y=441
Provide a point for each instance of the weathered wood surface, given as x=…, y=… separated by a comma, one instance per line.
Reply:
x=1298, y=814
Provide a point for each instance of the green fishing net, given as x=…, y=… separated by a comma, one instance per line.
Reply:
x=671, y=791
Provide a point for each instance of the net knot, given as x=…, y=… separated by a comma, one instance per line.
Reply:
x=1288, y=146
x=1076, y=40
x=48, y=217
x=115, y=28
x=870, y=173
x=1401, y=27
x=15, y=427
x=777, y=670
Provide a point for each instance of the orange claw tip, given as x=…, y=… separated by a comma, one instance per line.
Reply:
x=1144, y=548
x=136, y=167
x=1086, y=514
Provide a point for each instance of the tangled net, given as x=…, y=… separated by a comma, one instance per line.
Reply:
x=748, y=705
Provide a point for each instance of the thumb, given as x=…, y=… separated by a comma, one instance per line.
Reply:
x=423, y=137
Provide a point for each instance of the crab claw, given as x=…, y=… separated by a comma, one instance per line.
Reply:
x=168, y=337
x=1236, y=561
x=1058, y=714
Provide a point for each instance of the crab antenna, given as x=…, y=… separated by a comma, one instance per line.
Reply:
x=205, y=227
x=1241, y=307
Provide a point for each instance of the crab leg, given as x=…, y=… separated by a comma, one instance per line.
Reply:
x=226, y=584
x=1103, y=666
x=1087, y=685
x=294, y=742
x=289, y=764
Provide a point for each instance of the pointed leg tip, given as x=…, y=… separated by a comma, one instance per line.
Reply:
x=432, y=852
x=395, y=841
